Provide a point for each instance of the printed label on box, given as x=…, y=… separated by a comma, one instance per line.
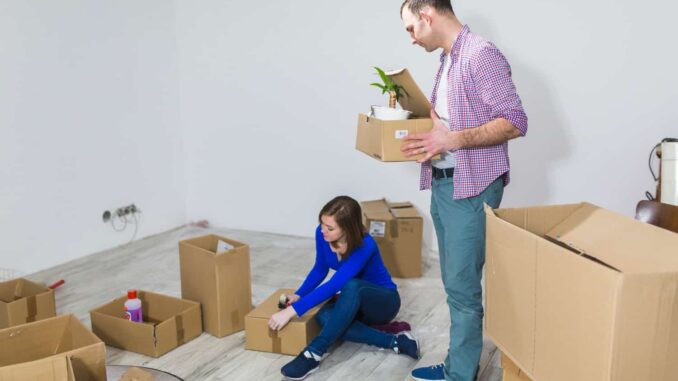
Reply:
x=223, y=246
x=377, y=228
x=399, y=134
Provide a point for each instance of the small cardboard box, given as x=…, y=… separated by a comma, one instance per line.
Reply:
x=289, y=340
x=220, y=282
x=22, y=301
x=511, y=372
x=168, y=323
x=57, y=368
x=397, y=228
x=577, y=292
x=52, y=338
x=382, y=139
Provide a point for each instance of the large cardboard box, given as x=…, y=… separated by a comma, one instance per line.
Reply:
x=168, y=323
x=291, y=339
x=577, y=292
x=397, y=228
x=510, y=371
x=220, y=282
x=382, y=139
x=22, y=301
x=57, y=368
x=58, y=336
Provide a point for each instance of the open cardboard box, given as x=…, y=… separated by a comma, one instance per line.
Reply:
x=220, y=282
x=22, y=301
x=397, y=228
x=50, y=340
x=291, y=339
x=168, y=323
x=577, y=292
x=382, y=139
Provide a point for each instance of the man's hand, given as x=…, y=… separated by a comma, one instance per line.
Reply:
x=280, y=319
x=293, y=298
x=439, y=139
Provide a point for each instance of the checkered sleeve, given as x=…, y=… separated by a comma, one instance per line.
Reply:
x=492, y=78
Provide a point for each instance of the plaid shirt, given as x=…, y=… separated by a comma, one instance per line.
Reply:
x=479, y=90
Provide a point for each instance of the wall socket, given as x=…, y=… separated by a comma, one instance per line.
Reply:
x=120, y=212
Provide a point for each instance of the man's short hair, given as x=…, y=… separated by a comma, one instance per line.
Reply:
x=442, y=6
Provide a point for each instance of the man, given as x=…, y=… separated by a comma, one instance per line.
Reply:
x=476, y=110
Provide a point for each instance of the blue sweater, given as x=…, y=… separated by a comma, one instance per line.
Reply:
x=364, y=263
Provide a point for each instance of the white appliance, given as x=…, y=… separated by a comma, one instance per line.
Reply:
x=669, y=172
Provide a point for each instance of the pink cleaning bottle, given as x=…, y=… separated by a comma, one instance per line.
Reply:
x=133, y=307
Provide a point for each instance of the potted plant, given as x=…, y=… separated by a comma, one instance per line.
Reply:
x=394, y=93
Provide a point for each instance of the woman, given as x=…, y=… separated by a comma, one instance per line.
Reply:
x=368, y=295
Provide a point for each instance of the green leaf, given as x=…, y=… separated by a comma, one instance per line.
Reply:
x=387, y=81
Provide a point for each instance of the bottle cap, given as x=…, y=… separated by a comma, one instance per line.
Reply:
x=131, y=294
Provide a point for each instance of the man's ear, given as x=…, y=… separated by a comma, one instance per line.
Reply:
x=426, y=14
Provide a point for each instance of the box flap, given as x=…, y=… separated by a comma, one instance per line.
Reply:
x=414, y=99
x=51, y=368
x=376, y=210
x=270, y=306
x=397, y=205
x=410, y=212
x=618, y=241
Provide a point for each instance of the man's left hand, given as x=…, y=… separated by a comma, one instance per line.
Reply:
x=280, y=319
x=439, y=139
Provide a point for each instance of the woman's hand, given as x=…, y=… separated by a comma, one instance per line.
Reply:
x=293, y=298
x=280, y=319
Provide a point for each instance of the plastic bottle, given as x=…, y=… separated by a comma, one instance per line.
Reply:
x=133, y=307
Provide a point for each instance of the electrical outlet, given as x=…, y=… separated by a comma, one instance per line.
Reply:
x=125, y=210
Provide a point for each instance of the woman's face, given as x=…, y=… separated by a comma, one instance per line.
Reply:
x=330, y=229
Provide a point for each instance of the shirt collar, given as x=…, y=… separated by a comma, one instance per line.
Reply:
x=457, y=42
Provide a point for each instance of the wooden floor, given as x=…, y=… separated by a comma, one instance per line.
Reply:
x=277, y=261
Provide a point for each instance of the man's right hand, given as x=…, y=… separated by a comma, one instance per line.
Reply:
x=292, y=298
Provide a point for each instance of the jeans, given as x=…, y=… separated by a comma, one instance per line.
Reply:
x=359, y=305
x=460, y=227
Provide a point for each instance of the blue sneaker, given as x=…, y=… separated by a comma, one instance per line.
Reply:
x=407, y=345
x=302, y=365
x=431, y=373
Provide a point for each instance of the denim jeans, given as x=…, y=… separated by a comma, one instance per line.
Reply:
x=460, y=227
x=359, y=305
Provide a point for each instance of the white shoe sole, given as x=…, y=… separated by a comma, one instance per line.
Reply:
x=304, y=376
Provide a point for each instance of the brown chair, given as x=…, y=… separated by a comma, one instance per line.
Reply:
x=658, y=214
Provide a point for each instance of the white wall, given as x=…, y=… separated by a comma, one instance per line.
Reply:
x=244, y=113
x=89, y=121
x=271, y=92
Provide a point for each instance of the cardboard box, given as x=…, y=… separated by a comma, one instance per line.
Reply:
x=397, y=228
x=577, y=292
x=168, y=323
x=57, y=368
x=289, y=340
x=22, y=301
x=511, y=372
x=55, y=337
x=220, y=282
x=382, y=139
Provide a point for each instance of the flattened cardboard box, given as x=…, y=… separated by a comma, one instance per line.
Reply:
x=577, y=292
x=397, y=228
x=59, y=336
x=289, y=340
x=168, y=323
x=220, y=282
x=510, y=371
x=382, y=139
x=57, y=368
x=22, y=301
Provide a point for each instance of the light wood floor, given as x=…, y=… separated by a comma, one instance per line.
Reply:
x=277, y=261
